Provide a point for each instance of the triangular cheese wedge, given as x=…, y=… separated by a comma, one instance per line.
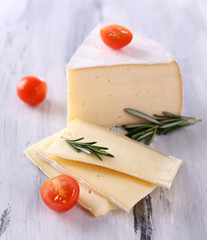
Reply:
x=121, y=189
x=130, y=157
x=91, y=201
x=103, y=81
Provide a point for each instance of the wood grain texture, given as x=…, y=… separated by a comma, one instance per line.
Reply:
x=39, y=37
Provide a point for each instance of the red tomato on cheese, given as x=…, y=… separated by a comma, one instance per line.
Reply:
x=60, y=193
x=32, y=90
x=116, y=36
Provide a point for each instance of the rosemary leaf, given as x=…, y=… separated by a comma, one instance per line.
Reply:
x=76, y=140
x=74, y=148
x=97, y=156
x=98, y=147
x=145, y=135
x=168, y=120
x=134, y=136
x=171, y=115
x=86, y=143
x=141, y=115
x=160, y=116
x=85, y=150
x=137, y=125
x=166, y=131
x=150, y=138
x=172, y=124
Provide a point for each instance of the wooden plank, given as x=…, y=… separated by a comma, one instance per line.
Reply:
x=39, y=37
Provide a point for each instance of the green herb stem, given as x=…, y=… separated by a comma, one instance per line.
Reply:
x=161, y=125
x=87, y=147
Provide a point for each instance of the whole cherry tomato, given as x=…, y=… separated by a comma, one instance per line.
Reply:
x=60, y=193
x=116, y=36
x=32, y=90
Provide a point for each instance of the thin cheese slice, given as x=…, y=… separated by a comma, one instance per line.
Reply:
x=121, y=189
x=130, y=157
x=102, y=81
x=93, y=202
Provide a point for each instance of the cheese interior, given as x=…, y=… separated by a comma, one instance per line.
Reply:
x=100, y=94
x=123, y=190
x=130, y=157
x=93, y=202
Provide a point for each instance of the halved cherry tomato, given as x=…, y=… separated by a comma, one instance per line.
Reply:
x=32, y=90
x=60, y=193
x=116, y=36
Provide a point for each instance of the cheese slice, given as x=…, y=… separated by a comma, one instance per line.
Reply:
x=130, y=157
x=93, y=202
x=102, y=81
x=121, y=189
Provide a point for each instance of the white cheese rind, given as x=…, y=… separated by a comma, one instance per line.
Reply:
x=122, y=190
x=91, y=201
x=130, y=157
x=94, y=53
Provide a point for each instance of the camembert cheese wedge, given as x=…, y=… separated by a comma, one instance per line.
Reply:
x=102, y=81
x=130, y=157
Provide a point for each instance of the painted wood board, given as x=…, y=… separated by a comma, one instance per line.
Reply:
x=39, y=37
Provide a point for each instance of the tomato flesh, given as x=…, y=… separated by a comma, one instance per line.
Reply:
x=60, y=193
x=32, y=90
x=116, y=36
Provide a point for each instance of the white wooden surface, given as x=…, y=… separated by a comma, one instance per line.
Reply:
x=39, y=37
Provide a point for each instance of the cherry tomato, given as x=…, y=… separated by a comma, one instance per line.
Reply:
x=60, y=193
x=116, y=36
x=32, y=90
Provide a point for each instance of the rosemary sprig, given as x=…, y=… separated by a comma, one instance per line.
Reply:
x=87, y=147
x=160, y=124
